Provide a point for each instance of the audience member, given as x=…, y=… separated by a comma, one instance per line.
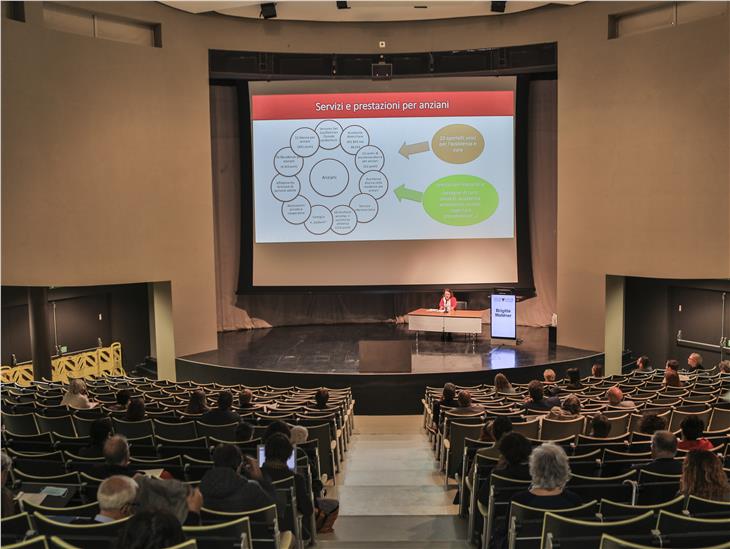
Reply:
x=99, y=431
x=225, y=489
x=466, y=406
x=549, y=386
x=276, y=426
x=724, y=366
x=135, y=410
x=245, y=399
x=514, y=450
x=8, y=503
x=651, y=423
x=116, y=496
x=671, y=365
x=663, y=452
x=151, y=530
x=321, y=397
x=694, y=361
x=222, y=415
x=569, y=409
x=502, y=385
x=616, y=398
x=536, y=400
x=574, y=382
x=171, y=495
x=597, y=371
x=692, y=429
x=76, y=396
x=299, y=434
x=116, y=456
x=550, y=472
x=600, y=426
x=671, y=378
x=123, y=396
x=448, y=399
x=704, y=477
x=548, y=376
x=495, y=430
x=643, y=364
x=197, y=403
x=244, y=432
x=278, y=450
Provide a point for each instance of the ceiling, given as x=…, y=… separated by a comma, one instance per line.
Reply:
x=359, y=10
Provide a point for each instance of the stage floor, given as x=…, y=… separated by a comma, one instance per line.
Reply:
x=334, y=349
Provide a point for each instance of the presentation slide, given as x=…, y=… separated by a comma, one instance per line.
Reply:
x=404, y=182
x=504, y=321
x=383, y=166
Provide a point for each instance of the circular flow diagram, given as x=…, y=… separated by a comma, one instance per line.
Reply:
x=329, y=178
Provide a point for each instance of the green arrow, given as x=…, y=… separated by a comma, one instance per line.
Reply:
x=408, y=194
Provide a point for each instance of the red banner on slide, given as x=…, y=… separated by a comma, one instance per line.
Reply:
x=382, y=105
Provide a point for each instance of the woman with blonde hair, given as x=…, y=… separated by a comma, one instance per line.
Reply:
x=502, y=385
x=704, y=477
x=76, y=395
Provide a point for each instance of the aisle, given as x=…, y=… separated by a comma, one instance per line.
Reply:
x=390, y=492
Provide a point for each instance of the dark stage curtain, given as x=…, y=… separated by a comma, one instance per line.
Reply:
x=252, y=311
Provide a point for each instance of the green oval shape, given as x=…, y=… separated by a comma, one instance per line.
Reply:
x=460, y=200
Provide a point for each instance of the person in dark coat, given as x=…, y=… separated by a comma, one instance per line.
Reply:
x=222, y=415
x=116, y=455
x=663, y=452
x=537, y=400
x=225, y=489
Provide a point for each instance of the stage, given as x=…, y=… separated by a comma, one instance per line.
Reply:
x=386, y=367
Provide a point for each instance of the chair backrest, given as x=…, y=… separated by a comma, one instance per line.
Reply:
x=37, y=542
x=553, y=429
x=175, y=431
x=720, y=419
x=700, y=507
x=63, y=425
x=82, y=425
x=570, y=533
x=263, y=521
x=459, y=431
x=529, y=429
x=232, y=533
x=20, y=424
x=321, y=433
x=133, y=429
x=677, y=530
x=87, y=510
x=678, y=416
x=525, y=523
x=15, y=527
x=50, y=527
x=221, y=432
x=614, y=510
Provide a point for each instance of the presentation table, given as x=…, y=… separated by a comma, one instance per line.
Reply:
x=457, y=322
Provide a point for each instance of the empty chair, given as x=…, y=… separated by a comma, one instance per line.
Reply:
x=51, y=464
x=570, y=533
x=175, y=431
x=720, y=419
x=62, y=425
x=133, y=429
x=454, y=446
x=614, y=510
x=14, y=528
x=656, y=488
x=705, y=508
x=37, y=542
x=87, y=510
x=530, y=429
x=101, y=535
x=82, y=425
x=677, y=530
x=20, y=424
x=263, y=523
x=525, y=523
x=221, y=432
x=558, y=430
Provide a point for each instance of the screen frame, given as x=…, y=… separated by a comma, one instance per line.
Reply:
x=524, y=287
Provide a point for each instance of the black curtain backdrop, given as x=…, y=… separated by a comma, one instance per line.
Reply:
x=230, y=136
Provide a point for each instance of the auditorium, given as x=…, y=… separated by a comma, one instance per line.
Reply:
x=389, y=274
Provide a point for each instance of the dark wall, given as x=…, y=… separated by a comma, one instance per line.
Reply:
x=82, y=316
x=653, y=317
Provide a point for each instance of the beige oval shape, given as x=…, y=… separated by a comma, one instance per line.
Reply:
x=457, y=143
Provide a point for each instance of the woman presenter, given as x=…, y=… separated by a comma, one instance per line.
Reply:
x=448, y=301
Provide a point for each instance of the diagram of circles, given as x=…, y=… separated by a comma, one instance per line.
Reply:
x=369, y=158
x=344, y=220
x=365, y=207
x=296, y=211
x=304, y=142
x=329, y=133
x=320, y=220
x=285, y=188
x=354, y=138
x=329, y=177
x=287, y=162
x=374, y=183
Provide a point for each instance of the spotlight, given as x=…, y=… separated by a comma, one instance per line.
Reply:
x=498, y=7
x=342, y=6
x=268, y=10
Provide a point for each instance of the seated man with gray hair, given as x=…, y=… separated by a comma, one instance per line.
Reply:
x=116, y=456
x=116, y=496
x=663, y=452
x=694, y=361
x=550, y=472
